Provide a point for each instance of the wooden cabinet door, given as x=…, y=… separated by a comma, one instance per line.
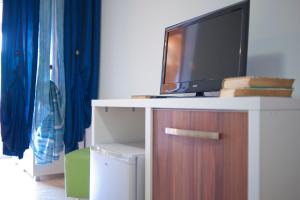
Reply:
x=190, y=168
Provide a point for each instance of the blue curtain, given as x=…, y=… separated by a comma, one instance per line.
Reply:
x=81, y=56
x=19, y=62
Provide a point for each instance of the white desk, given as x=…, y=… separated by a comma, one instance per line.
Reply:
x=273, y=136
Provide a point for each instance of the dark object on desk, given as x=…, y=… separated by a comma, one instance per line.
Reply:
x=201, y=52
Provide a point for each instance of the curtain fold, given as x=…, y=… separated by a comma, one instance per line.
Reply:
x=18, y=69
x=58, y=75
x=48, y=123
x=81, y=57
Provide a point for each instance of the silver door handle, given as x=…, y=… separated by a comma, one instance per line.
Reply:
x=193, y=133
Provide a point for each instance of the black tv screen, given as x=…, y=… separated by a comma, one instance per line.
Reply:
x=201, y=52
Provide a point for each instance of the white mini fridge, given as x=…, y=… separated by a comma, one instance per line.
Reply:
x=117, y=172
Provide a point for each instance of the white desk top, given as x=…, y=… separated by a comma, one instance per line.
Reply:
x=216, y=103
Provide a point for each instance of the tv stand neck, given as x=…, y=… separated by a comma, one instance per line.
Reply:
x=199, y=94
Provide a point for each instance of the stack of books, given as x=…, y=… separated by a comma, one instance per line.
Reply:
x=257, y=86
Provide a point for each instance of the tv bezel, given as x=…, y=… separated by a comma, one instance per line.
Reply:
x=207, y=85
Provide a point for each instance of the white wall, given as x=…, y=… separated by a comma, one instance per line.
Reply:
x=133, y=33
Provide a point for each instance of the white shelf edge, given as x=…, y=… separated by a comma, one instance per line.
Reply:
x=237, y=103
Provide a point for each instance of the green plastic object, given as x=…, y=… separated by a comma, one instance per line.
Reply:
x=77, y=173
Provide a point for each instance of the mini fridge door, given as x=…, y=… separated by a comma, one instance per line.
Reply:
x=113, y=174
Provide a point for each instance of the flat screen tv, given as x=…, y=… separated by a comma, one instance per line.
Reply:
x=201, y=52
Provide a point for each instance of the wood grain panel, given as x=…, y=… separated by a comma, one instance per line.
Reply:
x=187, y=168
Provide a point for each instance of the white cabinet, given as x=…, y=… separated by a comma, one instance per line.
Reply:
x=28, y=165
x=273, y=129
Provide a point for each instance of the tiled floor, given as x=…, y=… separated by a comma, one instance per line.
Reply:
x=18, y=185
